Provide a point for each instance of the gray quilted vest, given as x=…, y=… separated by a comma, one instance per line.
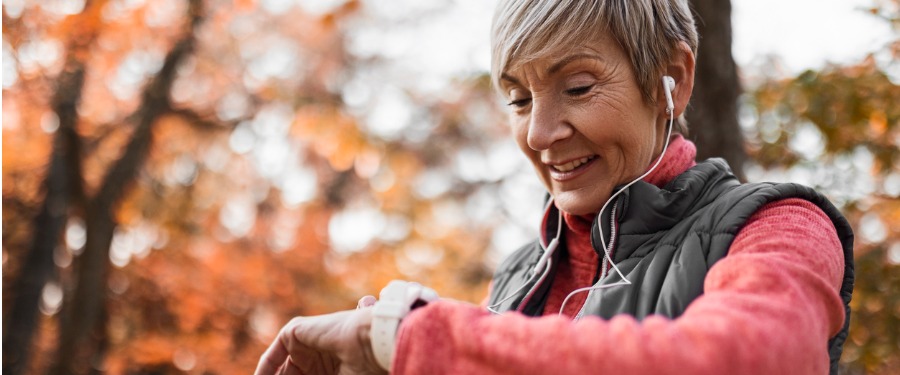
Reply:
x=667, y=239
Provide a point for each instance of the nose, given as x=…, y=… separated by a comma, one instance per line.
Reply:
x=547, y=125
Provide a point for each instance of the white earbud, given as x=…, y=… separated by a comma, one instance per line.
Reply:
x=669, y=86
x=544, y=262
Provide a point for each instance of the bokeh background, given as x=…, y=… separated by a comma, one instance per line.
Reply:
x=180, y=177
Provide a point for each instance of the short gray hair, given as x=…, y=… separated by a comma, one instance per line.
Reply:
x=647, y=30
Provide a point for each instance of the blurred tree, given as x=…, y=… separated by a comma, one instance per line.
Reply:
x=204, y=227
x=713, y=113
x=838, y=129
x=295, y=159
x=61, y=186
x=83, y=314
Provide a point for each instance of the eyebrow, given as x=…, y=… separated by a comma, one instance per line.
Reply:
x=556, y=66
x=507, y=77
x=568, y=60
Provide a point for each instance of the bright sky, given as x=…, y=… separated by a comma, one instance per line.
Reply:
x=805, y=33
x=454, y=35
x=438, y=41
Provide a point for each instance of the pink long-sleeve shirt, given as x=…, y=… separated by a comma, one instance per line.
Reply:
x=769, y=307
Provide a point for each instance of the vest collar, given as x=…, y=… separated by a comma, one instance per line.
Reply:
x=647, y=209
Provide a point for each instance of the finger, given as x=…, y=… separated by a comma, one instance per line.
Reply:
x=310, y=361
x=290, y=368
x=281, y=369
x=366, y=301
x=273, y=358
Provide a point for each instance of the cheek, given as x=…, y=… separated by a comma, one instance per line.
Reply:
x=619, y=122
x=519, y=128
x=642, y=137
x=533, y=156
x=520, y=134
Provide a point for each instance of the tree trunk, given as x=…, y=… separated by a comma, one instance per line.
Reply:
x=62, y=184
x=83, y=318
x=47, y=229
x=712, y=117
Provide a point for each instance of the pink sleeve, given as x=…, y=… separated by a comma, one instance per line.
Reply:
x=769, y=308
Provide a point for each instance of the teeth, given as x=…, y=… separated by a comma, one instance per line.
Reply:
x=573, y=164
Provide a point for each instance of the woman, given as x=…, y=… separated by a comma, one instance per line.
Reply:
x=647, y=263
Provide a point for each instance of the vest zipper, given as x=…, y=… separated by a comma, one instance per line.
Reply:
x=604, y=265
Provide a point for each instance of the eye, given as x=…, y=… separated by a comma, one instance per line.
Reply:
x=580, y=90
x=519, y=103
x=518, y=97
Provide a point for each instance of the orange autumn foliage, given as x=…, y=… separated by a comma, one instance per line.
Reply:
x=268, y=190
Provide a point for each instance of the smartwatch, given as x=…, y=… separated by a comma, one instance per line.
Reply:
x=394, y=303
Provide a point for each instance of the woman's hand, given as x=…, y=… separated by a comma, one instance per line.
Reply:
x=335, y=343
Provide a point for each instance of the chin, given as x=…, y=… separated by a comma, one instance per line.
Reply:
x=576, y=204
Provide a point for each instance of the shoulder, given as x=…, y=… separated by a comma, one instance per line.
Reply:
x=794, y=229
x=793, y=217
x=796, y=209
x=774, y=201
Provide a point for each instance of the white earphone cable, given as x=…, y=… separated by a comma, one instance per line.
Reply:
x=546, y=258
x=606, y=249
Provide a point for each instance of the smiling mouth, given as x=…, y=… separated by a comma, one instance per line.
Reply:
x=573, y=165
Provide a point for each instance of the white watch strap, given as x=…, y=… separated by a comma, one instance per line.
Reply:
x=394, y=304
x=390, y=308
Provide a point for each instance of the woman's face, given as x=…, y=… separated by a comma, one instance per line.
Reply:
x=580, y=118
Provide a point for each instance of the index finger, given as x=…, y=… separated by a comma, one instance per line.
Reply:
x=273, y=358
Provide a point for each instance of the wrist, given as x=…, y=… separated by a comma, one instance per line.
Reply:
x=365, y=341
x=395, y=302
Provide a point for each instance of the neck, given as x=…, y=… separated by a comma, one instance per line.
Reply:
x=679, y=158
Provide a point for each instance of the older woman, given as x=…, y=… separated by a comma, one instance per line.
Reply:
x=647, y=261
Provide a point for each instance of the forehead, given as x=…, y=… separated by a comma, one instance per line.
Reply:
x=601, y=49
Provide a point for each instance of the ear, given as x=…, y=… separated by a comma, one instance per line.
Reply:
x=681, y=68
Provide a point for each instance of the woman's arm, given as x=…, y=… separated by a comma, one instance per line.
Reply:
x=769, y=308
